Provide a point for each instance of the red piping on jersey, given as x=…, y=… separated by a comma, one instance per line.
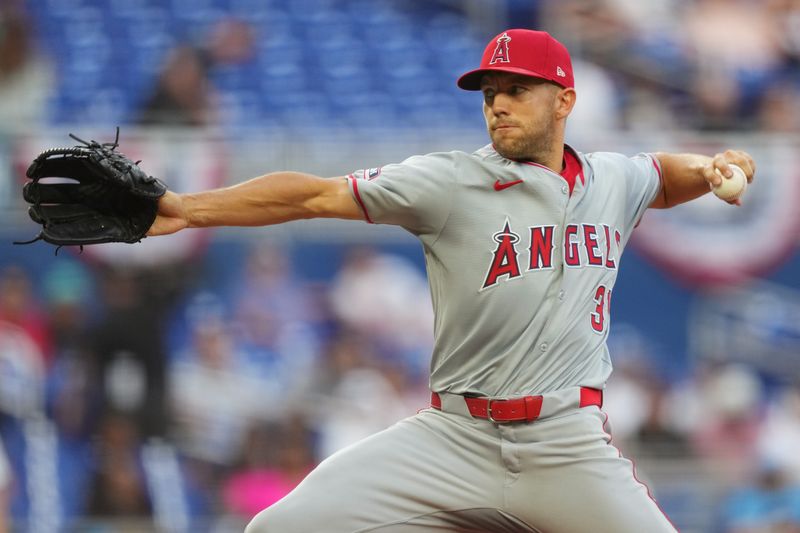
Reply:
x=358, y=198
x=658, y=168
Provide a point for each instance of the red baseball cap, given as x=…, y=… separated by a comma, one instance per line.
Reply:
x=526, y=52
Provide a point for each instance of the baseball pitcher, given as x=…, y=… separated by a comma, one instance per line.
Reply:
x=523, y=240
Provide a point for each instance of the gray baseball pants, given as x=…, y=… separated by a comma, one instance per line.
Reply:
x=447, y=471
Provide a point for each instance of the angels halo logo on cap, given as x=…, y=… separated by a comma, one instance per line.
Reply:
x=500, y=54
x=526, y=52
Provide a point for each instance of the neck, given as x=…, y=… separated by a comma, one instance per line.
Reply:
x=549, y=152
x=554, y=159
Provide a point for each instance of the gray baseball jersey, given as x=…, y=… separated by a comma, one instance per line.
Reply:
x=521, y=271
x=521, y=267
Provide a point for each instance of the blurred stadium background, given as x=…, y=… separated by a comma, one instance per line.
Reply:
x=185, y=383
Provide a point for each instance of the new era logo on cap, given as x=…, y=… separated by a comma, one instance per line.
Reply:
x=526, y=52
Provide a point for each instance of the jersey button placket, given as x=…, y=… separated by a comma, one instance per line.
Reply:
x=543, y=347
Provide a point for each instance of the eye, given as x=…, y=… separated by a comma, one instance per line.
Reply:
x=516, y=90
x=488, y=96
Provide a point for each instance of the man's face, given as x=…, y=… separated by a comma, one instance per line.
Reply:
x=520, y=114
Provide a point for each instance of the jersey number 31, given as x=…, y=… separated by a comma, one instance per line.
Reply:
x=602, y=297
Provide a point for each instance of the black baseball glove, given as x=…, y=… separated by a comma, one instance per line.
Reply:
x=107, y=198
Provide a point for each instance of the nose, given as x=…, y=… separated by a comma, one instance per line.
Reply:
x=499, y=104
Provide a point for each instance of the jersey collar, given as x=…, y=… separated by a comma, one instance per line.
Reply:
x=572, y=166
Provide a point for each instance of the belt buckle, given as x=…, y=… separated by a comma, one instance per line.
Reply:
x=489, y=409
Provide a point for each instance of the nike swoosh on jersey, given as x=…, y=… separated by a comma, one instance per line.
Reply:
x=498, y=186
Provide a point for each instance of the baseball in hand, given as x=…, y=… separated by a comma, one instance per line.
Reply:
x=731, y=188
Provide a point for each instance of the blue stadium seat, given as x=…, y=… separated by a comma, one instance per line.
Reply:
x=289, y=78
x=141, y=25
x=240, y=108
x=107, y=106
x=347, y=61
x=235, y=77
x=311, y=10
x=62, y=7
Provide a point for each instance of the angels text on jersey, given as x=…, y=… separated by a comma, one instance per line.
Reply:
x=584, y=245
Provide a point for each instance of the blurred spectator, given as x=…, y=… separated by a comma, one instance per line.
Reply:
x=779, y=108
x=731, y=403
x=785, y=16
x=19, y=306
x=708, y=64
x=215, y=397
x=276, y=321
x=597, y=107
x=118, y=488
x=637, y=400
x=345, y=418
x=593, y=29
x=70, y=403
x=183, y=95
x=627, y=400
x=268, y=289
x=5, y=491
x=22, y=374
x=73, y=417
x=771, y=504
x=231, y=42
x=69, y=387
x=412, y=389
x=67, y=289
x=26, y=78
x=779, y=440
x=655, y=436
x=351, y=367
x=734, y=35
x=735, y=48
x=349, y=358
x=387, y=298
x=274, y=460
x=129, y=359
x=192, y=89
x=627, y=403
x=632, y=41
x=656, y=19
x=345, y=351
x=24, y=346
x=717, y=96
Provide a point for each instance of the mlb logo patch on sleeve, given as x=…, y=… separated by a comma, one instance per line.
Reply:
x=372, y=173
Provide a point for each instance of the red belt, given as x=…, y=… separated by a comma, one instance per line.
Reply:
x=524, y=409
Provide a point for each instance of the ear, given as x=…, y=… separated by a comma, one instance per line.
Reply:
x=565, y=101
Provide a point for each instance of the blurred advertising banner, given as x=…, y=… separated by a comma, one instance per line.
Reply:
x=708, y=242
x=184, y=162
